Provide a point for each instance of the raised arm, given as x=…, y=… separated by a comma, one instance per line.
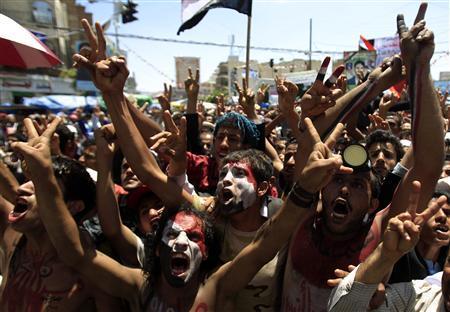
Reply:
x=417, y=46
x=111, y=75
x=401, y=235
x=147, y=127
x=124, y=241
x=300, y=204
x=104, y=272
x=8, y=183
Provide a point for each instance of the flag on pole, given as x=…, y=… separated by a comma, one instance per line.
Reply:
x=365, y=44
x=192, y=11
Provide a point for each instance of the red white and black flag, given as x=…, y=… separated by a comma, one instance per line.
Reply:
x=192, y=11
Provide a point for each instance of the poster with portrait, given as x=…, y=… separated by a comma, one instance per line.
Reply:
x=358, y=65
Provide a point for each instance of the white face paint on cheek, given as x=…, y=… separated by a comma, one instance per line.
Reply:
x=245, y=192
x=178, y=241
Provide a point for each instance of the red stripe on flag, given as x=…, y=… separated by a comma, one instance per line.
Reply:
x=366, y=42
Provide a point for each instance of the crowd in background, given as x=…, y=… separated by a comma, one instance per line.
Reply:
x=330, y=199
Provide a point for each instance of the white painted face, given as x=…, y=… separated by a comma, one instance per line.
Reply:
x=236, y=189
x=184, y=248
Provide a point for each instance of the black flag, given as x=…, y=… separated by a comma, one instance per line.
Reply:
x=192, y=11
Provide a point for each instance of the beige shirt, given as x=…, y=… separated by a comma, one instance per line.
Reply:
x=418, y=296
x=259, y=294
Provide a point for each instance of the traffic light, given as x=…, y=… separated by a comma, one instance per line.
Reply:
x=128, y=11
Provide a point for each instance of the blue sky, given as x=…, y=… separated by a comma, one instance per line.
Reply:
x=275, y=23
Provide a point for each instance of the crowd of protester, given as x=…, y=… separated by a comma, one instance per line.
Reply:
x=331, y=199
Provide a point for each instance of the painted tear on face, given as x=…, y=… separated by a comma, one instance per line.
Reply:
x=236, y=189
x=183, y=248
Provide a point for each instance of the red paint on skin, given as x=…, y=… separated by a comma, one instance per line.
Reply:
x=249, y=172
x=202, y=307
x=26, y=287
x=191, y=224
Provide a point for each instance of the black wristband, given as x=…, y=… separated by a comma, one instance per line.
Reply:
x=300, y=197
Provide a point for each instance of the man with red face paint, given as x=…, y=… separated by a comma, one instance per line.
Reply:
x=243, y=205
x=183, y=250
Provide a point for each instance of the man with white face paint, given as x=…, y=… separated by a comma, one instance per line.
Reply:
x=183, y=247
x=243, y=205
x=237, y=188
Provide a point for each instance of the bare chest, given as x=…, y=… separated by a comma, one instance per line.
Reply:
x=40, y=282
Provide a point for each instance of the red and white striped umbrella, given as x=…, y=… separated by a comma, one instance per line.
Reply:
x=20, y=48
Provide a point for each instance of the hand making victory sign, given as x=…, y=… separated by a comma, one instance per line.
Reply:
x=36, y=152
x=246, y=99
x=403, y=231
x=108, y=74
x=164, y=99
x=320, y=96
x=192, y=87
x=417, y=42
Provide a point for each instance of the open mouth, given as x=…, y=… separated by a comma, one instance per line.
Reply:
x=179, y=263
x=379, y=169
x=222, y=154
x=20, y=210
x=340, y=209
x=442, y=231
x=227, y=196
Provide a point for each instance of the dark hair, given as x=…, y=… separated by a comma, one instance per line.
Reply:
x=88, y=142
x=248, y=128
x=259, y=162
x=359, y=62
x=117, y=166
x=65, y=135
x=375, y=185
x=77, y=183
x=151, y=265
x=383, y=136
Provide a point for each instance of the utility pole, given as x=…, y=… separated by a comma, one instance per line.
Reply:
x=230, y=65
x=117, y=12
x=310, y=44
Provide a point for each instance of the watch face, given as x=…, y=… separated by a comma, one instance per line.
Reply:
x=355, y=155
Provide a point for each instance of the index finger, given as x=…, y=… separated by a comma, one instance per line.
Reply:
x=413, y=200
x=401, y=26
x=334, y=136
x=431, y=210
x=48, y=133
x=31, y=130
x=421, y=13
x=183, y=128
x=323, y=69
x=236, y=85
x=189, y=73
x=169, y=123
x=165, y=88
x=90, y=34
x=311, y=131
